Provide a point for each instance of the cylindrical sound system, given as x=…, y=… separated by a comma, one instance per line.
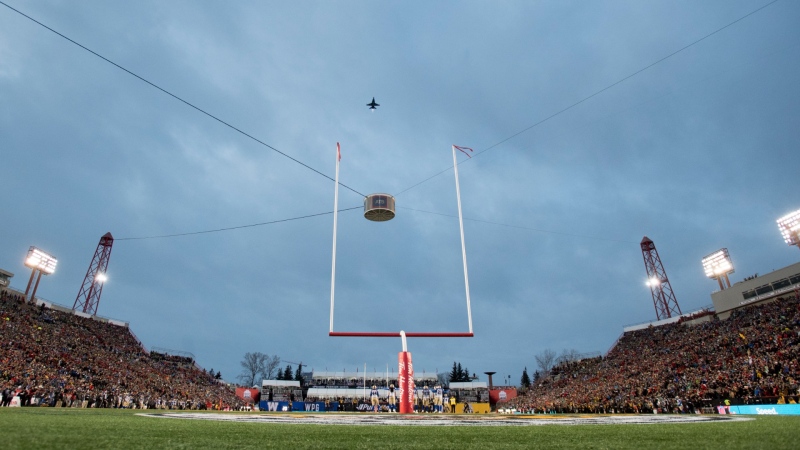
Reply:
x=379, y=207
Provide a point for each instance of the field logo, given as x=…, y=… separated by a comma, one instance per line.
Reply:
x=480, y=420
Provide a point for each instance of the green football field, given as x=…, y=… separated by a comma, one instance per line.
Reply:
x=43, y=428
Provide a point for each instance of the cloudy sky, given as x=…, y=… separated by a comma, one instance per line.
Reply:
x=697, y=152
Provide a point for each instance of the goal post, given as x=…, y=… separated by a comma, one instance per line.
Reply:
x=333, y=333
x=384, y=205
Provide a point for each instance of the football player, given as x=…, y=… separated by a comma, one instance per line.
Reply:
x=438, y=395
x=392, y=399
x=426, y=399
x=373, y=398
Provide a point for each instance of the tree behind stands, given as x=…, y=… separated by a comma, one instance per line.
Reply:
x=545, y=360
x=257, y=366
x=525, y=381
x=458, y=374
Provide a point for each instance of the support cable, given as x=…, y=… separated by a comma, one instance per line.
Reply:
x=186, y=102
x=620, y=81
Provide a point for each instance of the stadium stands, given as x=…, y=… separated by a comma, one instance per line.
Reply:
x=54, y=358
x=749, y=358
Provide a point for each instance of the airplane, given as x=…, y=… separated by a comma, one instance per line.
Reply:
x=372, y=104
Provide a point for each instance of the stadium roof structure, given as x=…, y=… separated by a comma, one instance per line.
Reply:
x=348, y=375
x=468, y=385
x=321, y=392
x=5, y=278
x=784, y=281
x=288, y=383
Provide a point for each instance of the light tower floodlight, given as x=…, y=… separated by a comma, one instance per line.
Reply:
x=717, y=266
x=41, y=262
x=790, y=228
x=652, y=282
x=664, y=299
x=91, y=290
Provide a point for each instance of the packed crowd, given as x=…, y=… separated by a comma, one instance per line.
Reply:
x=54, y=358
x=751, y=357
x=176, y=360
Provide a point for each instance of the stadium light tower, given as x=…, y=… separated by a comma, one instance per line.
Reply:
x=790, y=228
x=717, y=266
x=663, y=298
x=88, y=298
x=41, y=263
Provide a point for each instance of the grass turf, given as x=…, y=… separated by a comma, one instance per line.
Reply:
x=44, y=428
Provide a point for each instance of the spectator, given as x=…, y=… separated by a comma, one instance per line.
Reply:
x=62, y=359
x=751, y=357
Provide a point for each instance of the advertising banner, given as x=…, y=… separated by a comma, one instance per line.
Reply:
x=405, y=377
x=474, y=408
x=317, y=406
x=500, y=395
x=273, y=406
x=249, y=395
x=297, y=406
x=790, y=409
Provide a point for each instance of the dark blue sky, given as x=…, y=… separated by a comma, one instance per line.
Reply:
x=698, y=152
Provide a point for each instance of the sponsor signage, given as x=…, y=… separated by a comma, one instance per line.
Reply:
x=297, y=406
x=405, y=378
x=318, y=406
x=770, y=410
x=502, y=395
x=378, y=201
x=249, y=395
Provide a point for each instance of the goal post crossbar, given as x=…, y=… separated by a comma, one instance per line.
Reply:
x=463, y=257
x=397, y=334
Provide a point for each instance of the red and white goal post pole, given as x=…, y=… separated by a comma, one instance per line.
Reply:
x=405, y=377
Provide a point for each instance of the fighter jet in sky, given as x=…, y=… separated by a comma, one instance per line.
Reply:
x=372, y=104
